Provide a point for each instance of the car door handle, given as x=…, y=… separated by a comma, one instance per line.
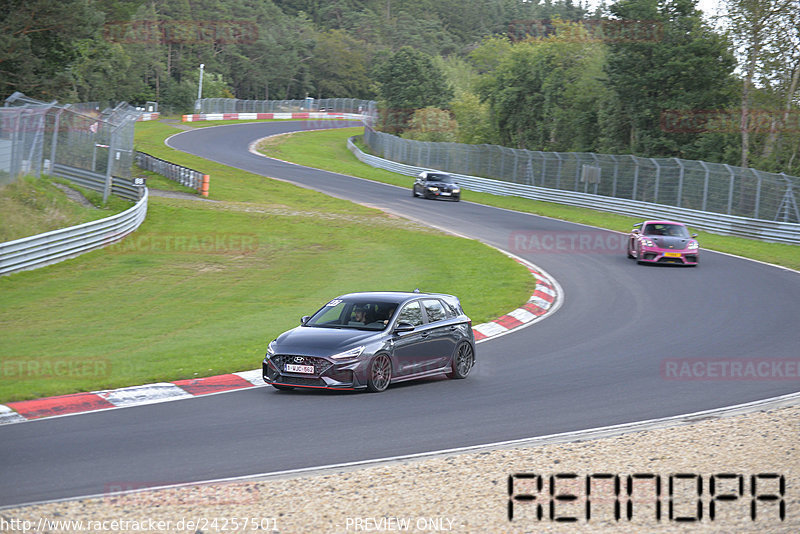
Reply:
x=425, y=334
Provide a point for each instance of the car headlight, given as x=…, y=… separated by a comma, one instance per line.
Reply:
x=271, y=349
x=693, y=245
x=352, y=353
x=648, y=242
x=433, y=189
x=456, y=190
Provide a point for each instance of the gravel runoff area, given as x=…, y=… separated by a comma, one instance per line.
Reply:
x=469, y=492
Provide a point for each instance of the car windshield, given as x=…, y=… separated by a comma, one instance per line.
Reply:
x=444, y=178
x=672, y=230
x=356, y=314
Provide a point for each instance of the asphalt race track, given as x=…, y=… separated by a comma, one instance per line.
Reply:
x=597, y=361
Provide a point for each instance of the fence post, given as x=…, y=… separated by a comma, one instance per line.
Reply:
x=758, y=192
x=635, y=176
x=705, y=185
x=616, y=173
x=544, y=167
x=730, y=188
x=658, y=177
x=680, y=182
x=558, y=172
x=112, y=143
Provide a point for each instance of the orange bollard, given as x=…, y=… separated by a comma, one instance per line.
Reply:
x=204, y=187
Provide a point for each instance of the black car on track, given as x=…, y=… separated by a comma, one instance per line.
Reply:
x=372, y=339
x=436, y=185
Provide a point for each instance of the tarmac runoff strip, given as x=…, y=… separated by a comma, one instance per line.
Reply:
x=545, y=301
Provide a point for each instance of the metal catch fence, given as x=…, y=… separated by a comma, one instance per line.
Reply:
x=38, y=137
x=774, y=231
x=695, y=185
x=367, y=108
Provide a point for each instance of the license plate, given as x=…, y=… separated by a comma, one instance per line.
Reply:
x=445, y=194
x=292, y=368
x=672, y=254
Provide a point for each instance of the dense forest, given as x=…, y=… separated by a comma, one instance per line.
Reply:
x=649, y=77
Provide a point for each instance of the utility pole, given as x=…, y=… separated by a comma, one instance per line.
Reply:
x=199, y=88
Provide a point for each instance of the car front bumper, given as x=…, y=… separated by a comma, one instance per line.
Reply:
x=680, y=257
x=327, y=374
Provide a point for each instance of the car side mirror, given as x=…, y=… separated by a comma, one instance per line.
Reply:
x=304, y=319
x=403, y=327
x=636, y=231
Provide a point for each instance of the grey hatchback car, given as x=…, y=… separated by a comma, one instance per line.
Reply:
x=372, y=339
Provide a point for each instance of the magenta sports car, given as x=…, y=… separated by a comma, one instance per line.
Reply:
x=663, y=242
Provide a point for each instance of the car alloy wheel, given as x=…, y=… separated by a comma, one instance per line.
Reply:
x=380, y=373
x=463, y=362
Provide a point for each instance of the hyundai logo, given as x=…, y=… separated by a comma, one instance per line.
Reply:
x=298, y=359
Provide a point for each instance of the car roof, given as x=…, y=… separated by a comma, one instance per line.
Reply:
x=392, y=296
x=663, y=222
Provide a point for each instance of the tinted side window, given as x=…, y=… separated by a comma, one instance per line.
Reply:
x=434, y=310
x=411, y=313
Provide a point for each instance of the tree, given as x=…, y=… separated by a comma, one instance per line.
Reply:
x=39, y=41
x=688, y=67
x=474, y=120
x=408, y=80
x=432, y=124
x=767, y=37
x=339, y=66
x=545, y=94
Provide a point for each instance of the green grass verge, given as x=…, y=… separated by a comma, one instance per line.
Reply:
x=31, y=206
x=202, y=287
x=327, y=150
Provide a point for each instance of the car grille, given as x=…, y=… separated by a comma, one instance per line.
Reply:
x=301, y=381
x=669, y=260
x=670, y=243
x=320, y=364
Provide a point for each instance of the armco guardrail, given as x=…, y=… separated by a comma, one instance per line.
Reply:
x=122, y=187
x=267, y=116
x=713, y=222
x=58, y=245
x=183, y=175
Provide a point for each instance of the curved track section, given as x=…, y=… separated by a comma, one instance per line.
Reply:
x=598, y=361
